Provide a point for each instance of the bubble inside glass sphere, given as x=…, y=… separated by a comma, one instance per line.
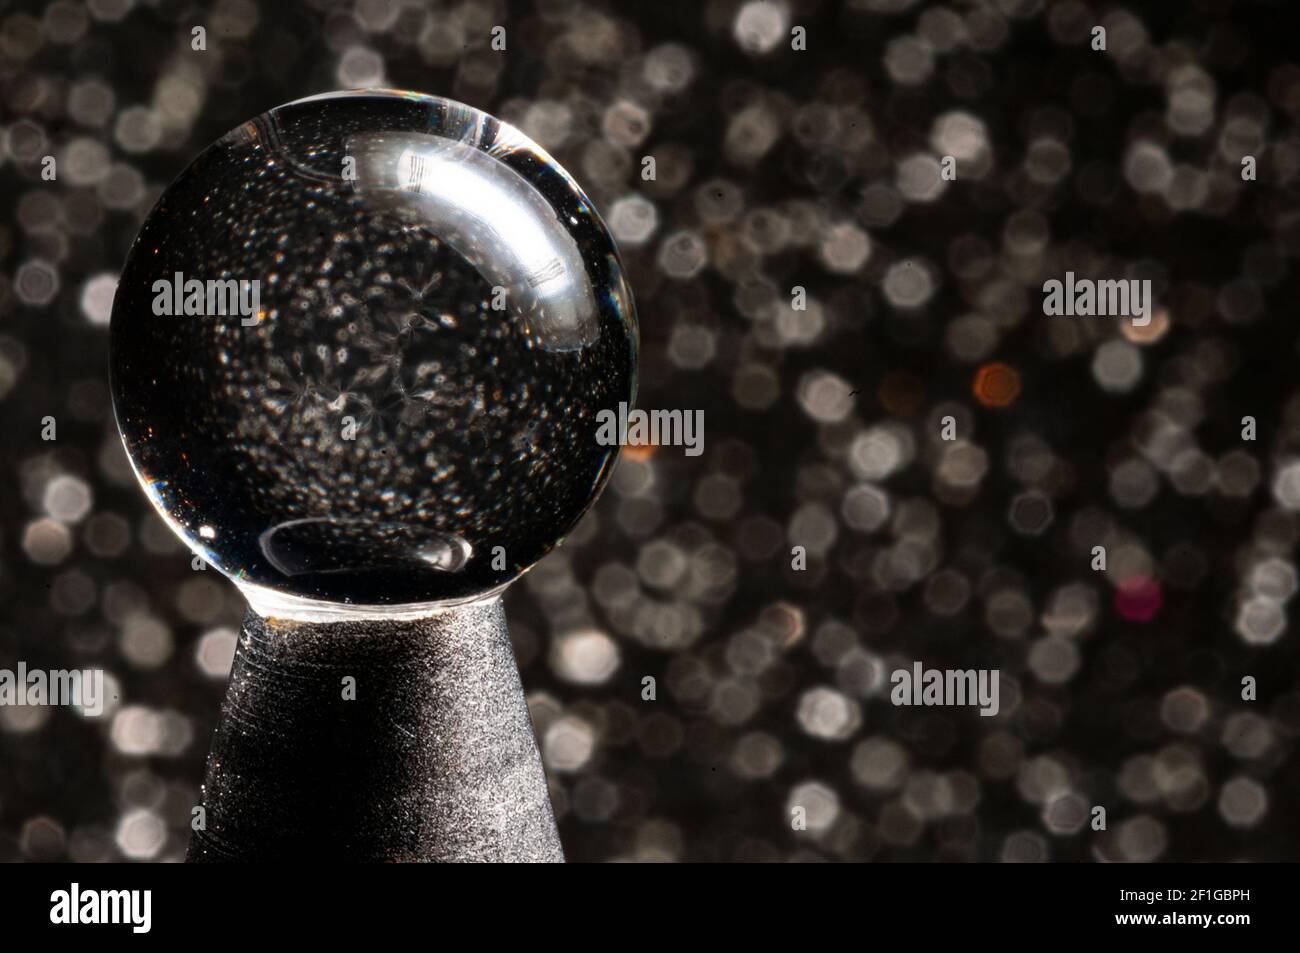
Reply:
x=358, y=350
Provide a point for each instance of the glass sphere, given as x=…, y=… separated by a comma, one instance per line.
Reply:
x=358, y=349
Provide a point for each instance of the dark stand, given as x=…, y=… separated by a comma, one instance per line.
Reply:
x=434, y=760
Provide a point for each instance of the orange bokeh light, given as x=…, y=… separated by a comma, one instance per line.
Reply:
x=996, y=385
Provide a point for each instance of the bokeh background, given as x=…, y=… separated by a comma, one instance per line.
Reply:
x=776, y=168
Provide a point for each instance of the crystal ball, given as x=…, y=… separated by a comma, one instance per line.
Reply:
x=358, y=349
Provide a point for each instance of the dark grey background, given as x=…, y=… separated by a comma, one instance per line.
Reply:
x=775, y=168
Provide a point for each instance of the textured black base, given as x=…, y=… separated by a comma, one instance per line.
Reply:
x=433, y=759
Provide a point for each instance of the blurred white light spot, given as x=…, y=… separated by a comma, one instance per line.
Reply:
x=568, y=744
x=137, y=730
x=587, y=657
x=845, y=248
x=1286, y=484
x=877, y=452
x=97, y=298
x=141, y=834
x=919, y=179
x=825, y=396
x=360, y=67
x=1117, y=366
x=819, y=803
x=633, y=219
x=960, y=135
x=1243, y=802
x=215, y=652
x=1260, y=621
x=146, y=641
x=760, y=26
x=908, y=285
x=46, y=541
x=828, y=714
x=66, y=499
